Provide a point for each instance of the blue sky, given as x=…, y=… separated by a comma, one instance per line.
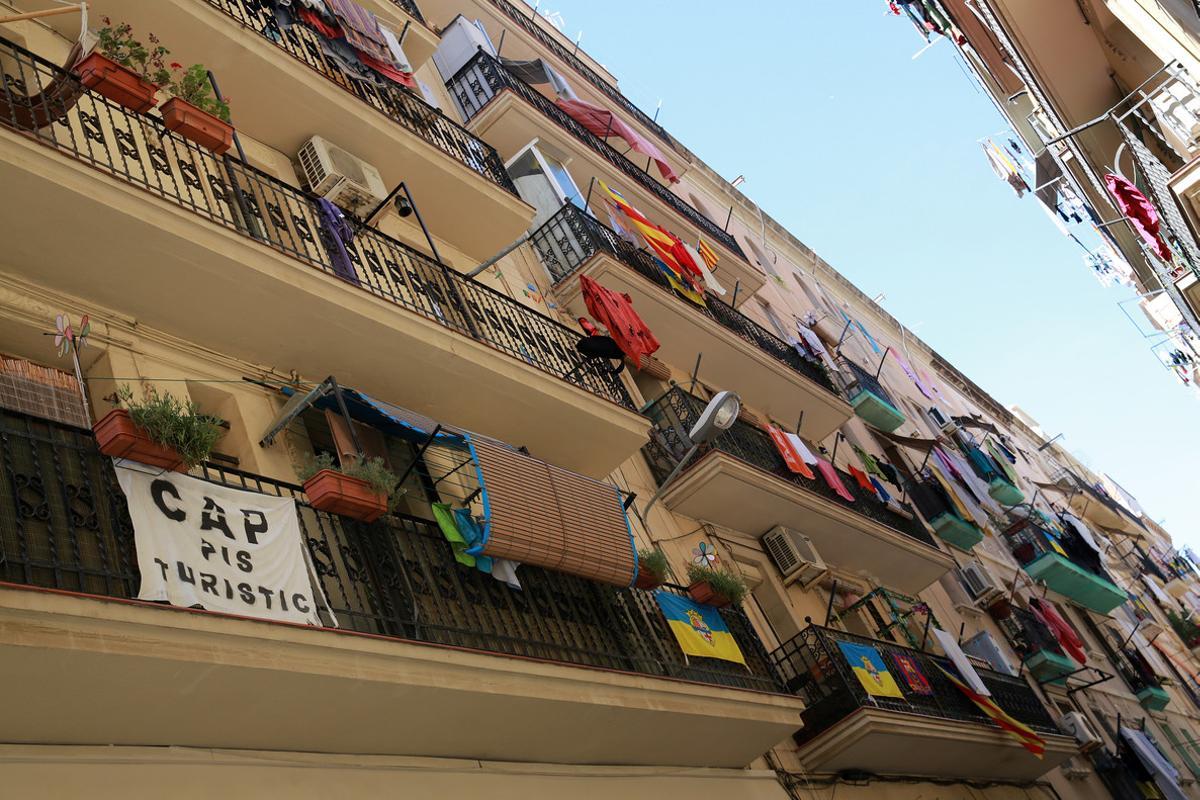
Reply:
x=871, y=158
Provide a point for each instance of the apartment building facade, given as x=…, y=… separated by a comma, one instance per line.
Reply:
x=407, y=254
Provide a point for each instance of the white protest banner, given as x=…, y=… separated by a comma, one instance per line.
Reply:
x=204, y=545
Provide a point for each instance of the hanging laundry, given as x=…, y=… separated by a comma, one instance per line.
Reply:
x=833, y=480
x=1004, y=168
x=615, y=312
x=710, y=280
x=867, y=460
x=882, y=492
x=791, y=457
x=814, y=343
x=1003, y=463
x=603, y=123
x=618, y=228
x=336, y=234
x=449, y=528
x=889, y=472
x=505, y=571
x=538, y=73
x=361, y=29
x=388, y=70
x=1141, y=213
x=861, y=479
x=1049, y=615
x=806, y=455
x=469, y=528
x=399, y=57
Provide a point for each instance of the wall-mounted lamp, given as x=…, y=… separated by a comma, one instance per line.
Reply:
x=718, y=416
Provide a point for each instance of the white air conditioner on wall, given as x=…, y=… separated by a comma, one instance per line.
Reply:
x=979, y=583
x=339, y=176
x=795, y=556
x=1075, y=724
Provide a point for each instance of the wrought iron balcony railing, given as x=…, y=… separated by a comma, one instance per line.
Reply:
x=411, y=7
x=1029, y=541
x=547, y=40
x=483, y=77
x=813, y=666
x=1028, y=635
x=676, y=411
x=863, y=381
x=401, y=106
x=572, y=236
x=64, y=524
x=140, y=151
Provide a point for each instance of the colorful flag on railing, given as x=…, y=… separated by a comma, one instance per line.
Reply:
x=910, y=670
x=699, y=629
x=707, y=253
x=867, y=664
x=1018, y=730
x=663, y=245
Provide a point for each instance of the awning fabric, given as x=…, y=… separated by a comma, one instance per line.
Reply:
x=533, y=512
x=537, y=513
x=916, y=443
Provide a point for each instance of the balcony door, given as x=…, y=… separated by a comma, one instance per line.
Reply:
x=542, y=180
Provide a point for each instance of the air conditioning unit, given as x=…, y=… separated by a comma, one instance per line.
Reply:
x=1075, y=724
x=339, y=176
x=979, y=583
x=795, y=556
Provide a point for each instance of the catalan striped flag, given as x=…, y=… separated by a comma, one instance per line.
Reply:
x=1017, y=730
x=707, y=253
x=664, y=246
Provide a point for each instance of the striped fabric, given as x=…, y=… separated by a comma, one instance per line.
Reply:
x=707, y=253
x=1017, y=730
x=361, y=29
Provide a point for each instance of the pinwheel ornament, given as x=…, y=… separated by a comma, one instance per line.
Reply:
x=704, y=555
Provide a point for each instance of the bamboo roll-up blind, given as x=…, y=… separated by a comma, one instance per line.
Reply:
x=550, y=517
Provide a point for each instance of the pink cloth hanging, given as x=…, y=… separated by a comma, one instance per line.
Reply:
x=1140, y=211
x=834, y=480
x=604, y=123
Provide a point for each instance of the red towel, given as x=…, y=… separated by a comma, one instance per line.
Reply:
x=1062, y=630
x=834, y=480
x=615, y=312
x=1141, y=213
x=862, y=479
x=793, y=460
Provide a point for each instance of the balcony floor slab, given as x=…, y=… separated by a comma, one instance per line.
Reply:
x=100, y=672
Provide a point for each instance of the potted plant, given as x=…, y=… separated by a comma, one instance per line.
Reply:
x=360, y=489
x=123, y=69
x=159, y=431
x=716, y=587
x=195, y=112
x=652, y=569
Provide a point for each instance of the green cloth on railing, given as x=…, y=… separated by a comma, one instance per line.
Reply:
x=1002, y=462
x=868, y=462
x=445, y=521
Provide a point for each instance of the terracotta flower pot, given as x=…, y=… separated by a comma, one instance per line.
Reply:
x=336, y=493
x=106, y=77
x=204, y=129
x=120, y=438
x=648, y=580
x=702, y=592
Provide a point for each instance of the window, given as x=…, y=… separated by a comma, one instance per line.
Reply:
x=761, y=257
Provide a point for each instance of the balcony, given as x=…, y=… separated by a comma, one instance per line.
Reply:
x=738, y=353
x=942, y=734
x=1135, y=670
x=1039, y=650
x=870, y=400
x=284, y=90
x=157, y=220
x=930, y=499
x=509, y=114
x=1066, y=564
x=1000, y=488
x=739, y=481
x=571, y=671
